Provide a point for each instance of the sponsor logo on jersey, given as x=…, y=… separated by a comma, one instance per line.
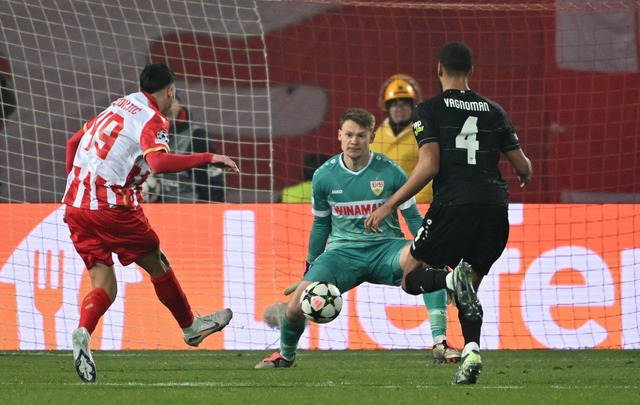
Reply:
x=417, y=128
x=336, y=191
x=162, y=137
x=358, y=209
x=377, y=186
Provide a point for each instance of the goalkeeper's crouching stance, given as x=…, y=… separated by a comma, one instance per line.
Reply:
x=340, y=251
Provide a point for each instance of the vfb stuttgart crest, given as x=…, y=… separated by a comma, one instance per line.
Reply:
x=377, y=186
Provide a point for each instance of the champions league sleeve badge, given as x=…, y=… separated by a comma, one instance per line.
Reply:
x=162, y=137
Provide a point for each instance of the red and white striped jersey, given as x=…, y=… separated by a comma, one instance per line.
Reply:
x=109, y=166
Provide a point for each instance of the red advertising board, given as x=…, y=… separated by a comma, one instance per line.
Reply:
x=568, y=279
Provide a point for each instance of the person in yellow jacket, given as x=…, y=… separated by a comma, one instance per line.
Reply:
x=398, y=96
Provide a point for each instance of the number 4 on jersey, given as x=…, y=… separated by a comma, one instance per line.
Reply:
x=466, y=139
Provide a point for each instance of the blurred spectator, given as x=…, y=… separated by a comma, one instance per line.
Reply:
x=398, y=96
x=7, y=99
x=301, y=192
x=194, y=185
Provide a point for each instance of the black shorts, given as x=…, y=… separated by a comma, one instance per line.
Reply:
x=475, y=233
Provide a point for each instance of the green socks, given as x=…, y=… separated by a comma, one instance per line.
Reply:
x=436, y=303
x=290, y=333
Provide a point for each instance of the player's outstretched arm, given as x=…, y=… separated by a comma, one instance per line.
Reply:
x=163, y=162
x=320, y=231
x=224, y=162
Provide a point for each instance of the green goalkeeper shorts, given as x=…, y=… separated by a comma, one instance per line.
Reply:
x=348, y=267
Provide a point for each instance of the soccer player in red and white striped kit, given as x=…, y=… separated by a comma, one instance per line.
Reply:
x=107, y=161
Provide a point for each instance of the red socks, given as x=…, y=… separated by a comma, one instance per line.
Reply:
x=168, y=290
x=94, y=305
x=171, y=295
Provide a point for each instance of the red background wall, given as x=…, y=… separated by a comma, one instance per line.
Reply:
x=579, y=128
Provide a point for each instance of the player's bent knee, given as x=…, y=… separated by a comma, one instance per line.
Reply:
x=411, y=283
x=418, y=282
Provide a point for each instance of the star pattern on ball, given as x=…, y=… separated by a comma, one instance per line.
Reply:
x=321, y=302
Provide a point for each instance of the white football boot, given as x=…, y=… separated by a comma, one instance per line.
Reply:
x=85, y=366
x=206, y=325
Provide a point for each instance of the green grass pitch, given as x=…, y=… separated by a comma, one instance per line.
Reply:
x=321, y=377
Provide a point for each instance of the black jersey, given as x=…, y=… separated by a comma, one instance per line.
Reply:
x=472, y=131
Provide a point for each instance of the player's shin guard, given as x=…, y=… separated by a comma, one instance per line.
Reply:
x=436, y=303
x=290, y=333
x=425, y=281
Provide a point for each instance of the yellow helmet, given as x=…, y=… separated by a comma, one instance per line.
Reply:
x=399, y=86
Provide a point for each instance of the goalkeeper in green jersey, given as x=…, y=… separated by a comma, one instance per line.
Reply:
x=346, y=189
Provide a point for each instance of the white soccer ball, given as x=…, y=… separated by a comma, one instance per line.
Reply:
x=321, y=302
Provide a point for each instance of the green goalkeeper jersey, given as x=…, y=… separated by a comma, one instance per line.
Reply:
x=349, y=197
